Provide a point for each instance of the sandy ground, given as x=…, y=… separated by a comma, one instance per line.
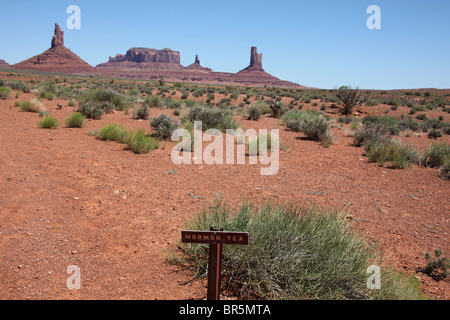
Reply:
x=70, y=199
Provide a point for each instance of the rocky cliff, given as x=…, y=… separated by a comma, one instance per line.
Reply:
x=3, y=63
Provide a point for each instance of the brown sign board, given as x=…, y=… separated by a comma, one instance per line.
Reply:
x=215, y=237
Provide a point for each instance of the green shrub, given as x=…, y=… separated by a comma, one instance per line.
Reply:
x=401, y=156
x=136, y=141
x=293, y=253
x=33, y=105
x=431, y=123
x=141, y=143
x=261, y=144
x=211, y=118
x=142, y=112
x=75, y=120
x=312, y=123
x=437, y=266
x=4, y=93
x=406, y=122
x=254, y=113
x=49, y=123
x=436, y=155
x=389, y=122
x=95, y=110
x=434, y=134
x=164, y=126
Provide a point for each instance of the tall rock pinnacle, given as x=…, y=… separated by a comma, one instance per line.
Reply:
x=255, y=61
x=58, y=38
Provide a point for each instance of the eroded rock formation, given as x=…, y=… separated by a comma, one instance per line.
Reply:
x=255, y=61
x=56, y=59
x=58, y=38
x=3, y=63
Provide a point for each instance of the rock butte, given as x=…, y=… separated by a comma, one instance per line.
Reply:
x=3, y=63
x=150, y=64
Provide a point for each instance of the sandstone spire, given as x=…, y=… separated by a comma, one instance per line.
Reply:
x=255, y=61
x=58, y=38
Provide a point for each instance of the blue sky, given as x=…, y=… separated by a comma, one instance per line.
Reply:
x=320, y=43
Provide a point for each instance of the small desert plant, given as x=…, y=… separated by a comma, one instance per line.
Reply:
x=401, y=156
x=49, y=123
x=437, y=266
x=211, y=118
x=254, y=113
x=4, y=93
x=33, y=105
x=164, y=126
x=75, y=120
x=434, y=134
x=312, y=123
x=142, y=112
x=141, y=143
x=436, y=155
x=261, y=144
x=350, y=98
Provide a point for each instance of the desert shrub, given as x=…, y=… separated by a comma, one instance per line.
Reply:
x=49, y=123
x=4, y=93
x=444, y=169
x=350, y=98
x=438, y=266
x=436, y=155
x=406, y=122
x=372, y=103
x=102, y=97
x=211, y=118
x=312, y=123
x=136, y=141
x=75, y=120
x=431, y=123
x=388, y=122
x=163, y=125
x=33, y=105
x=294, y=252
x=19, y=85
x=140, y=143
x=434, y=134
x=95, y=110
x=400, y=155
x=254, y=113
x=154, y=102
x=141, y=112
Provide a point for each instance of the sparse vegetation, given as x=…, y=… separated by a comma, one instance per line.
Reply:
x=294, y=253
x=75, y=120
x=49, y=123
x=163, y=125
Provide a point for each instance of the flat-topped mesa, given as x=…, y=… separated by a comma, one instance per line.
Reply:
x=142, y=55
x=255, y=61
x=58, y=38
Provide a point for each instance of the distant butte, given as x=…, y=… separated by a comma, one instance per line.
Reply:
x=56, y=59
x=150, y=64
x=3, y=63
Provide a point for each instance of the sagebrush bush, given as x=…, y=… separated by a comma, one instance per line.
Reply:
x=312, y=123
x=4, y=93
x=95, y=110
x=164, y=126
x=49, y=123
x=400, y=155
x=254, y=112
x=75, y=120
x=294, y=252
x=211, y=118
x=140, y=143
x=141, y=112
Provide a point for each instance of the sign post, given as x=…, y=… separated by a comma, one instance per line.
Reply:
x=216, y=239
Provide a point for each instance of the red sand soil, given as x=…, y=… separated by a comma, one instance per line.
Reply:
x=70, y=199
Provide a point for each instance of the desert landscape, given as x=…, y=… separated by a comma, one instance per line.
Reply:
x=73, y=196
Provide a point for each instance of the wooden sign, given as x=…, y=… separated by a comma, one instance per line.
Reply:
x=216, y=239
